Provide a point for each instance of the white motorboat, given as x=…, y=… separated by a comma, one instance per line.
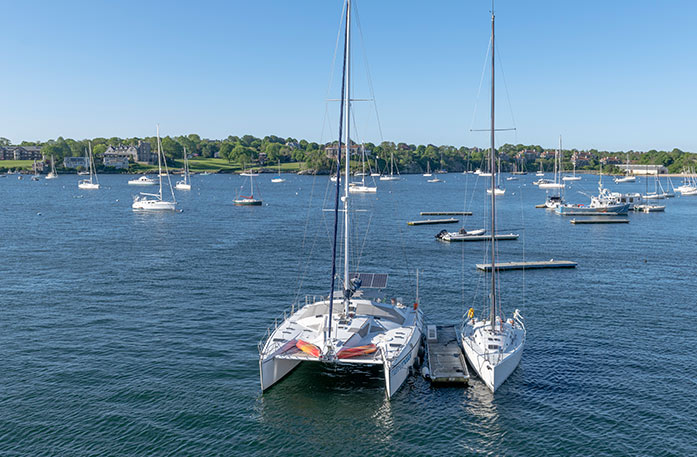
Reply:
x=434, y=179
x=156, y=202
x=93, y=182
x=497, y=191
x=350, y=329
x=52, y=174
x=143, y=181
x=185, y=184
x=604, y=204
x=493, y=346
x=648, y=208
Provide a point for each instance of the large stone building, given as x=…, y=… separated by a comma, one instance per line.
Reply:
x=21, y=153
x=140, y=153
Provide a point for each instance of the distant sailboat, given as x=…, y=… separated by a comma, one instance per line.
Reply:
x=185, y=184
x=156, y=202
x=557, y=171
x=248, y=200
x=52, y=174
x=279, y=179
x=391, y=176
x=92, y=182
x=493, y=346
x=627, y=177
x=428, y=169
x=360, y=187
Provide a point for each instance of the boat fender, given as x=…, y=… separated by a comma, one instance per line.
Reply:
x=470, y=313
x=416, y=305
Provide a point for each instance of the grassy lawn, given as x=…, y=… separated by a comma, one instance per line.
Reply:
x=14, y=164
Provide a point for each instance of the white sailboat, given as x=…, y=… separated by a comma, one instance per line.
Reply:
x=278, y=179
x=391, y=176
x=498, y=190
x=361, y=187
x=556, y=184
x=627, y=177
x=52, y=174
x=363, y=331
x=85, y=171
x=185, y=184
x=573, y=177
x=540, y=173
x=156, y=202
x=376, y=173
x=493, y=346
x=428, y=169
x=93, y=182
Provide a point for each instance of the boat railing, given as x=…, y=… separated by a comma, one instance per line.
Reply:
x=270, y=330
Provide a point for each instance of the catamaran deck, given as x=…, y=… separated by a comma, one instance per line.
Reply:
x=500, y=266
x=446, y=364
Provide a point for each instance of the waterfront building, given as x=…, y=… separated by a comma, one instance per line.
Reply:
x=21, y=153
x=141, y=153
x=75, y=162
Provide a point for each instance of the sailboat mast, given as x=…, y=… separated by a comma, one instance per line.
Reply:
x=159, y=161
x=492, y=163
x=347, y=118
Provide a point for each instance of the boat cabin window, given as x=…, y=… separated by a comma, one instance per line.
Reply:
x=494, y=346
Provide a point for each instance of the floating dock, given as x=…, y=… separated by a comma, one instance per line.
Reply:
x=452, y=220
x=445, y=213
x=446, y=364
x=599, y=221
x=528, y=265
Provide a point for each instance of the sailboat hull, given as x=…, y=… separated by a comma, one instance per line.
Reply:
x=493, y=365
x=88, y=185
x=182, y=186
x=153, y=205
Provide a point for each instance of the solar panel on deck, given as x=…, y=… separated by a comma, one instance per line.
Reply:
x=371, y=280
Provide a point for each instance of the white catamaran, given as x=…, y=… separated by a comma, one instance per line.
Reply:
x=93, y=182
x=350, y=329
x=155, y=202
x=493, y=346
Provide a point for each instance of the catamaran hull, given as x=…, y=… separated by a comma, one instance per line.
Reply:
x=398, y=372
x=274, y=369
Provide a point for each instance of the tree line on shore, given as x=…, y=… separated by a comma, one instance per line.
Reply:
x=408, y=158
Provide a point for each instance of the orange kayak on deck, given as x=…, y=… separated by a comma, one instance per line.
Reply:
x=356, y=351
x=307, y=348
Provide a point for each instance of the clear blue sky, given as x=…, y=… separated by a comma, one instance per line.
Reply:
x=612, y=75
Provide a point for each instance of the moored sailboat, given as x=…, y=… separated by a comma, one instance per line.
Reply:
x=93, y=182
x=493, y=346
x=349, y=329
x=156, y=202
x=185, y=184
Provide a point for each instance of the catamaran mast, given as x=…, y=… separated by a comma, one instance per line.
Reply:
x=347, y=118
x=492, y=167
x=344, y=102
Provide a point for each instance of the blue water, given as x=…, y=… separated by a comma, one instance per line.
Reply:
x=136, y=334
